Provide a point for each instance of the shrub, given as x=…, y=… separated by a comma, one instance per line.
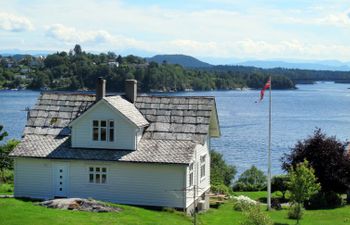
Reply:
x=6, y=188
x=242, y=203
x=295, y=212
x=252, y=179
x=279, y=183
x=220, y=189
x=7, y=175
x=255, y=216
x=324, y=200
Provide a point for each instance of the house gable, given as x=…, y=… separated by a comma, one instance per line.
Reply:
x=124, y=130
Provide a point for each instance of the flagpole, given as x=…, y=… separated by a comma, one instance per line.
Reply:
x=269, y=153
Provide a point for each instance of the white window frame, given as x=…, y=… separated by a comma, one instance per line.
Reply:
x=108, y=128
x=97, y=171
x=203, y=160
x=190, y=174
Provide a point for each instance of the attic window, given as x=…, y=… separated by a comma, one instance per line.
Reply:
x=103, y=130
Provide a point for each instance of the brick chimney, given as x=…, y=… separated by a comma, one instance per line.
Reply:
x=100, y=89
x=131, y=90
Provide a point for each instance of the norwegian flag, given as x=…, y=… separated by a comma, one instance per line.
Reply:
x=262, y=92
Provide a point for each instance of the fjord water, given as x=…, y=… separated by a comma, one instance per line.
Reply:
x=244, y=123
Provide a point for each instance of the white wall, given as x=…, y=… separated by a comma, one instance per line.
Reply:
x=202, y=184
x=124, y=131
x=33, y=178
x=127, y=183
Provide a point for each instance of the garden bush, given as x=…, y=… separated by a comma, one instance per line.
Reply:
x=279, y=183
x=255, y=216
x=324, y=200
x=6, y=188
x=242, y=203
x=6, y=175
x=295, y=212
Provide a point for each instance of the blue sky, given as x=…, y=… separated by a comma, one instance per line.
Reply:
x=222, y=29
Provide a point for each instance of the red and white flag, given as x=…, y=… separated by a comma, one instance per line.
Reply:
x=262, y=92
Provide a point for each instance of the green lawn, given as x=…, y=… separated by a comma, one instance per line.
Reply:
x=14, y=211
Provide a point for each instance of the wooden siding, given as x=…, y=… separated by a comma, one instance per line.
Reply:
x=127, y=183
x=33, y=178
x=202, y=184
x=124, y=134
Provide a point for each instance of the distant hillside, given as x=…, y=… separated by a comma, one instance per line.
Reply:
x=306, y=65
x=183, y=60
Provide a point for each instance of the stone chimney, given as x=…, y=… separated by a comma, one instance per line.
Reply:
x=131, y=90
x=100, y=89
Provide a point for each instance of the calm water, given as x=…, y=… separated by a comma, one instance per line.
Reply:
x=244, y=123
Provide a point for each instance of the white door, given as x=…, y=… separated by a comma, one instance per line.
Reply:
x=60, y=172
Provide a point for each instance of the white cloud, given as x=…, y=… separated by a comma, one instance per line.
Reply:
x=14, y=23
x=72, y=35
x=337, y=19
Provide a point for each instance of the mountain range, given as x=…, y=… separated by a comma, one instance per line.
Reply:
x=191, y=62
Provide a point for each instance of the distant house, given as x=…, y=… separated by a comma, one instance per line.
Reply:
x=138, y=150
x=113, y=64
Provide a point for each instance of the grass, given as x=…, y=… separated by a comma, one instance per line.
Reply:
x=14, y=211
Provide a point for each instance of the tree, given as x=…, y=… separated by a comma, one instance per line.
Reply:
x=6, y=163
x=252, y=179
x=220, y=171
x=327, y=156
x=302, y=185
x=3, y=134
x=77, y=49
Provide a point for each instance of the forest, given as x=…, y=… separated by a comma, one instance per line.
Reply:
x=79, y=70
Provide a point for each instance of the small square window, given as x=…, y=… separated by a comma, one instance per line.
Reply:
x=91, y=169
x=95, y=123
x=104, y=170
x=103, y=123
x=111, y=123
x=97, y=169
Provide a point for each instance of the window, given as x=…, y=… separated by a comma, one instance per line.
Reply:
x=98, y=175
x=190, y=174
x=103, y=130
x=202, y=160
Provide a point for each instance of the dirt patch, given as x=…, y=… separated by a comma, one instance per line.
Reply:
x=79, y=204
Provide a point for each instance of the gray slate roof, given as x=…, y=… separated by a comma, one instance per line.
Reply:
x=175, y=126
x=176, y=118
x=53, y=112
x=128, y=110
x=150, y=151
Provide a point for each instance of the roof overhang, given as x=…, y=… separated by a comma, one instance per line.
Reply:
x=214, y=125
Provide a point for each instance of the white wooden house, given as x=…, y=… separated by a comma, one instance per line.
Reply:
x=138, y=150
